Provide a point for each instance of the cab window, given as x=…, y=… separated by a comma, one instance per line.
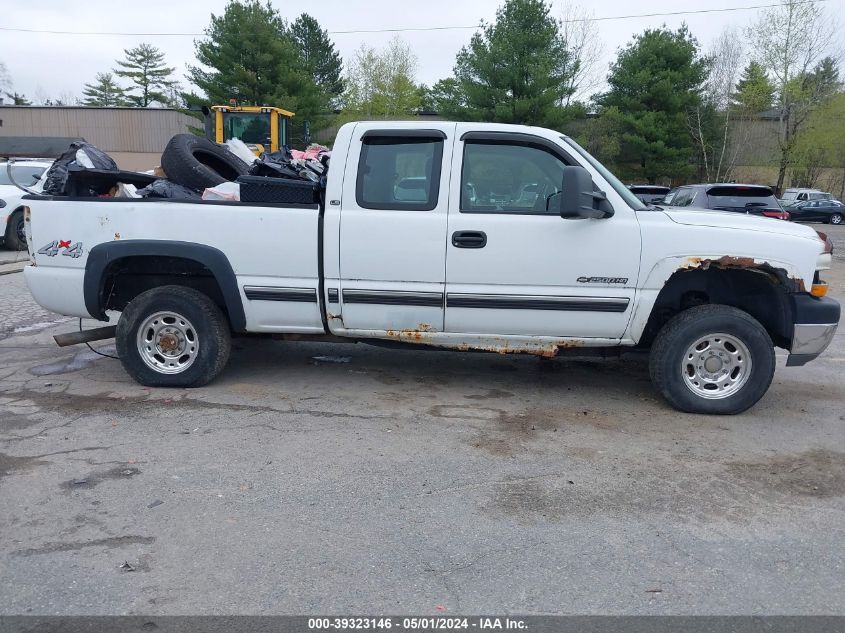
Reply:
x=399, y=173
x=508, y=178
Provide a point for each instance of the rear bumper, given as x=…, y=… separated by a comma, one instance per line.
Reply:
x=816, y=321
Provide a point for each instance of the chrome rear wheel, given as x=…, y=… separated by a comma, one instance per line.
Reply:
x=168, y=343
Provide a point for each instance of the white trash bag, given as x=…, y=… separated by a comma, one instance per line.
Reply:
x=228, y=191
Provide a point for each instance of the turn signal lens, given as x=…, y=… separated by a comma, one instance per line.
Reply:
x=819, y=289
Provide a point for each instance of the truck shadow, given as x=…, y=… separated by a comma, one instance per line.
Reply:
x=475, y=375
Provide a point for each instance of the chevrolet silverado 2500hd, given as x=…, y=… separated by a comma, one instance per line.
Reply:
x=463, y=236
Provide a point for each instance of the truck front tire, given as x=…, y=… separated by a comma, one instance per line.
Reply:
x=712, y=359
x=173, y=336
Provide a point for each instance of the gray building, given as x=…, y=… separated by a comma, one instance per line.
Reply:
x=133, y=137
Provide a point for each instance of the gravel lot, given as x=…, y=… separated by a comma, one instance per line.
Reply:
x=409, y=482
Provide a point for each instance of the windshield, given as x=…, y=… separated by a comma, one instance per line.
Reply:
x=632, y=200
x=250, y=128
x=23, y=175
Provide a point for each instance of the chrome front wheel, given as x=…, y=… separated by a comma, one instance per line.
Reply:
x=716, y=366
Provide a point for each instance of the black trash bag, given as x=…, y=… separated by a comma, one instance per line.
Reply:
x=275, y=165
x=79, y=154
x=282, y=155
x=162, y=188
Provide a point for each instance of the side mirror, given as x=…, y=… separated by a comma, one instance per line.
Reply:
x=580, y=198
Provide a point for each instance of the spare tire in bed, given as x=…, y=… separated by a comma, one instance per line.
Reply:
x=197, y=163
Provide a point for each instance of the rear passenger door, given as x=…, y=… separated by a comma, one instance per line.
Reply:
x=393, y=224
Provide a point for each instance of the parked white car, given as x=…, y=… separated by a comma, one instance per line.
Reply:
x=469, y=262
x=30, y=174
x=791, y=196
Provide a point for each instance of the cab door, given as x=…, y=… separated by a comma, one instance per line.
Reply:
x=393, y=223
x=513, y=267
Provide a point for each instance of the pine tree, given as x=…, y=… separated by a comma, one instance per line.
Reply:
x=319, y=58
x=18, y=99
x=754, y=91
x=246, y=55
x=144, y=66
x=249, y=54
x=104, y=93
x=516, y=70
x=654, y=83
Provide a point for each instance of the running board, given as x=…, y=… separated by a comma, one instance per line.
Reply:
x=85, y=336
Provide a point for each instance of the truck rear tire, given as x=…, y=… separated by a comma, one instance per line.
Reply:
x=197, y=163
x=173, y=336
x=712, y=359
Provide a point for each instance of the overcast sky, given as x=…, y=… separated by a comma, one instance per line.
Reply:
x=52, y=65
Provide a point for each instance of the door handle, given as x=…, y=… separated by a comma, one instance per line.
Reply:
x=469, y=239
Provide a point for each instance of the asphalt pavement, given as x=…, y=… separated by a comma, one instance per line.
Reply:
x=317, y=478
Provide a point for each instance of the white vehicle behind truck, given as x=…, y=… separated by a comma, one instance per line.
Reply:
x=460, y=236
x=29, y=173
x=793, y=196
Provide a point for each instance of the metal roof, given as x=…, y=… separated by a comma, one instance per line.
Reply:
x=35, y=146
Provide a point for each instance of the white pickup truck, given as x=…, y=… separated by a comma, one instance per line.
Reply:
x=464, y=236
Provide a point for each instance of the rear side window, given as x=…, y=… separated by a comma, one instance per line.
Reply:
x=683, y=198
x=741, y=197
x=397, y=173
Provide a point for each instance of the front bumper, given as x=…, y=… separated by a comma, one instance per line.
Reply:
x=816, y=321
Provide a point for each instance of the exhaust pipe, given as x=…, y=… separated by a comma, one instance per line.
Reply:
x=85, y=336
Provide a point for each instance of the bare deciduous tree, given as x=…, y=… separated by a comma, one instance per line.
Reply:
x=5, y=81
x=380, y=84
x=789, y=41
x=714, y=125
x=582, y=40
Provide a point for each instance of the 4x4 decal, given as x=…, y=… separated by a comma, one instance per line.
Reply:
x=70, y=250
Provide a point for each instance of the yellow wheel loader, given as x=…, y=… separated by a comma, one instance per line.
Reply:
x=262, y=128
